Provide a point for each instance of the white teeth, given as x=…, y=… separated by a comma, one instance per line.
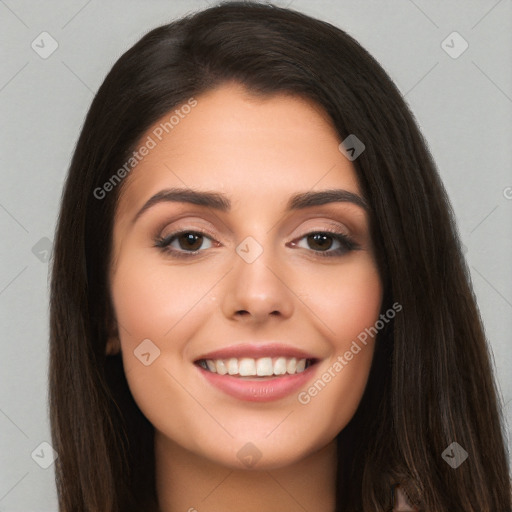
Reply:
x=246, y=367
x=264, y=367
x=291, y=365
x=280, y=366
x=249, y=367
x=232, y=366
x=220, y=367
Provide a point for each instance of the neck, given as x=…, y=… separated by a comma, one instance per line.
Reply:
x=186, y=482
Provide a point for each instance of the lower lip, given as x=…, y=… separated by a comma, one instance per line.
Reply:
x=259, y=391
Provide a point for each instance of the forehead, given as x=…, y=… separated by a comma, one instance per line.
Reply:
x=243, y=145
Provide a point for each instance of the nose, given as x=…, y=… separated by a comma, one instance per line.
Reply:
x=256, y=291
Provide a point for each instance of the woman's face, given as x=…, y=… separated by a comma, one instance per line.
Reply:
x=207, y=295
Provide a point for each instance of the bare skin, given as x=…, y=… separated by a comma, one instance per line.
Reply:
x=258, y=153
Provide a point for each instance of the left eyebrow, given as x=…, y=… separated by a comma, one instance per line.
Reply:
x=221, y=202
x=307, y=199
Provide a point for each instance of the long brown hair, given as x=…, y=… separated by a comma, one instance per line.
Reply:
x=431, y=381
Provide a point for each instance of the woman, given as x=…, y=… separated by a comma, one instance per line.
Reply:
x=259, y=299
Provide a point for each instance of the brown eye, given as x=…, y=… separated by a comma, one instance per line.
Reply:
x=190, y=241
x=182, y=242
x=322, y=241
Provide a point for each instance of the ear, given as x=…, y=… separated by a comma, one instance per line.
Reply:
x=113, y=345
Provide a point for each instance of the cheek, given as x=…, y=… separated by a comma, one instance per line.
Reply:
x=347, y=304
x=156, y=302
x=346, y=301
x=150, y=298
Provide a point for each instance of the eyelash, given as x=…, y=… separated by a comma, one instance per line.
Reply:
x=348, y=244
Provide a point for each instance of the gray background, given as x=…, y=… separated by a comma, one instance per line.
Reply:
x=463, y=106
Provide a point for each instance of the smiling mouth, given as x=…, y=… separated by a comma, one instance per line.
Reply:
x=262, y=368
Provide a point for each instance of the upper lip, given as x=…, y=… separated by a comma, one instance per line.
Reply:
x=257, y=350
